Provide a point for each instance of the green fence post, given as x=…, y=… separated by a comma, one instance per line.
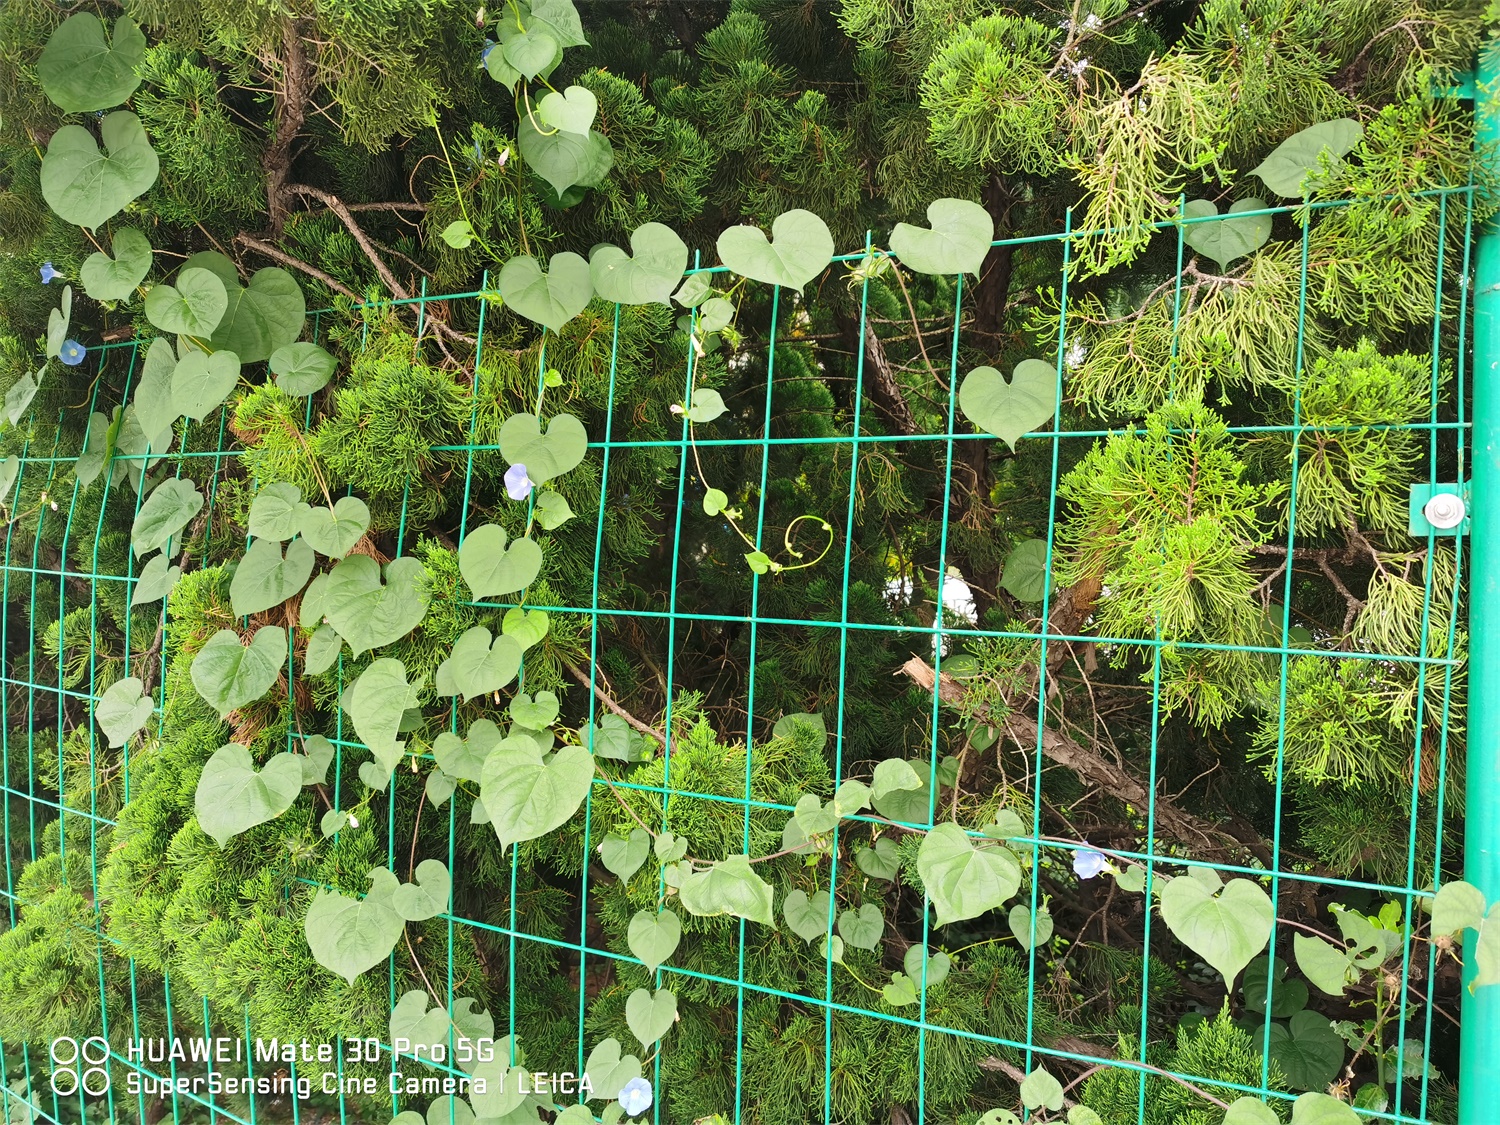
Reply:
x=1479, y=1050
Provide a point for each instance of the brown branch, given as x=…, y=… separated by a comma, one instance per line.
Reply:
x=337, y=286
x=147, y=661
x=341, y=209
x=880, y=376
x=296, y=263
x=337, y=206
x=292, y=94
x=1092, y=767
x=604, y=698
x=386, y=206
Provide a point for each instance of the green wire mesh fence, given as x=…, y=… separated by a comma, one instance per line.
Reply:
x=45, y=696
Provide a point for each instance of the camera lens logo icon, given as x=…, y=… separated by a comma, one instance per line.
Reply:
x=76, y=1065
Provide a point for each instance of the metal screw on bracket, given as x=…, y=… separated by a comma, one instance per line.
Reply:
x=1445, y=510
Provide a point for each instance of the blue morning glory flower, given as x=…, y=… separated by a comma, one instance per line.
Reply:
x=484, y=55
x=1087, y=863
x=48, y=273
x=518, y=485
x=72, y=353
x=635, y=1098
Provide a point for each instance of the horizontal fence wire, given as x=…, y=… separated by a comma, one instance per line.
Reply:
x=31, y=688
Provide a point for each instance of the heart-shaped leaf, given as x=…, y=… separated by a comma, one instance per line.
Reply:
x=333, y=821
x=959, y=238
x=334, y=531
x=1020, y=921
x=154, y=407
x=714, y=315
x=654, y=937
x=201, y=382
x=476, y=666
x=374, y=775
x=417, y=1032
x=58, y=320
x=1039, y=1088
x=964, y=881
x=562, y=20
x=1025, y=573
x=799, y=248
x=232, y=797
x=1288, y=997
x=123, y=710
x=813, y=817
x=428, y=896
x=115, y=279
x=1009, y=410
x=349, y=935
x=1225, y=240
x=316, y=758
x=608, y=1071
x=155, y=582
x=936, y=970
x=550, y=298
x=87, y=187
x=98, y=443
x=193, y=307
x=276, y=512
x=264, y=579
x=1226, y=929
x=173, y=503
x=552, y=510
x=646, y=275
x=881, y=861
x=261, y=318
x=323, y=648
x=728, y=887
x=901, y=992
x=565, y=160
x=19, y=397
x=464, y=758
x=572, y=111
x=376, y=704
x=302, y=368
x=862, y=928
x=439, y=787
x=527, y=797
x=534, y=714
x=82, y=71
x=458, y=234
x=806, y=915
x=1291, y=169
x=615, y=738
x=1329, y=967
x=669, y=848
x=1309, y=1051
x=1456, y=907
x=490, y=568
x=707, y=405
x=623, y=856
x=229, y=675
x=133, y=443
x=531, y=52
x=695, y=289
x=546, y=455
x=894, y=774
x=650, y=1016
